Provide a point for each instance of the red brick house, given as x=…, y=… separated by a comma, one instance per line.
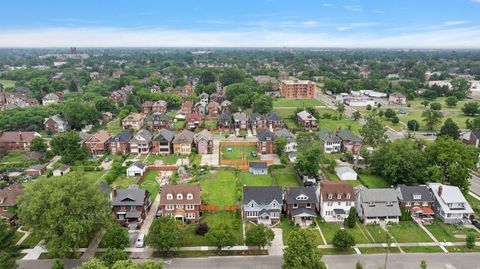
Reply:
x=98, y=143
x=55, y=124
x=417, y=200
x=181, y=202
x=265, y=144
x=16, y=141
x=186, y=108
x=213, y=108
x=8, y=201
x=306, y=120
x=193, y=121
x=159, y=121
x=119, y=143
x=130, y=205
x=473, y=139
x=36, y=170
x=146, y=107
x=159, y=106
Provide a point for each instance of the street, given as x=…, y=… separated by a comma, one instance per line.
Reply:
x=475, y=184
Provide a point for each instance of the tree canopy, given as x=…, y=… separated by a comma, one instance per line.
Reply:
x=302, y=251
x=373, y=132
x=165, y=234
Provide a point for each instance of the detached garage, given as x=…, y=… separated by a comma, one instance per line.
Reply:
x=346, y=173
x=136, y=169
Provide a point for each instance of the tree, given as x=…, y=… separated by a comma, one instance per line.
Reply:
x=343, y=239
x=207, y=76
x=112, y=256
x=7, y=246
x=358, y=265
x=395, y=120
x=436, y=106
x=373, y=131
x=116, y=237
x=302, y=251
x=262, y=104
x=165, y=234
x=450, y=128
x=451, y=161
x=92, y=264
x=125, y=264
x=390, y=113
x=368, y=107
x=221, y=236
x=259, y=235
x=451, y=101
x=58, y=264
x=308, y=160
x=84, y=208
x=232, y=75
x=202, y=228
x=356, y=115
x=72, y=86
x=473, y=124
x=423, y=264
x=470, y=240
x=461, y=85
x=470, y=108
x=37, y=144
x=78, y=113
x=413, y=125
x=280, y=143
x=341, y=109
x=351, y=220
x=400, y=162
x=431, y=118
x=149, y=264
x=68, y=146
x=105, y=104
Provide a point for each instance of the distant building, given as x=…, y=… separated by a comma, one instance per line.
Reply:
x=50, y=99
x=397, y=98
x=134, y=121
x=306, y=120
x=298, y=89
x=98, y=143
x=16, y=140
x=55, y=124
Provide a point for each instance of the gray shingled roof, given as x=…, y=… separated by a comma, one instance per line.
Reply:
x=304, y=115
x=256, y=116
x=272, y=116
x=225, y=117
x=346, y=134
x=164, y=134
x=285, y=133
x=405, y=193
x=326, y=136
x=123, y=136
x=303, y=212
x=257, y=165
x=137, y=164
x=143, y=134
x=240, y=116
x=379, y=198
x=264, y=134
x=129, y=197
x=262, y=195
x=294, y=192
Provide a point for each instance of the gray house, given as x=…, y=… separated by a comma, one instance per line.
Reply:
x=377, y=205
x=258, y=168
x=240, y=120
x=262, y=205
x=450, y=205
x=330, y=141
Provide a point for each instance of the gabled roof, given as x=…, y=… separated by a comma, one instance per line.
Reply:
x=262, y=195
x=182, y=189
x=134, y=117
x=9, y=194
x=224, y=117
x=102, y=135
x=285, y=133
x=449, y=195
x=407, y=193
x=193, y=117
x=141, y=135
x=18, y=136
x=128, y=197
x=397, y=95
x=56, y=118
x=213, y=104
x=160, y=103
x=160, y=116
x=240, y=116
x=293, y=193
x=147, y=104
x=379, y=202
x=124, y=136
x=264, y=134
x=258, y=165
x=226, y=103
x=184, y=137
x=335, y=188
x=164, y=134
x=51, y=96
x=137, y=164
x=348, y=135
x=272, y=116
x=327, y=136
x=303, y=212
x=256, y=117
x=378, y=195
x=304, y=115
x=203, y=135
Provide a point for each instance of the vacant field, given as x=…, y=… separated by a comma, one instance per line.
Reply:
x=150, y=184
x=210, y=124
x=286, y=177
x=7, y=83
x=249, y=179
x=231, y=219
x=448, y=232
x=474, y=203
x=376, y=232
x=288, y=228
x=373, y=181
x=238, y=152
x=12, y=157
x=167, y=159
x=330, y=229
x=219, y=188
x=297, y=102
x=114, y=126
x=408, y=231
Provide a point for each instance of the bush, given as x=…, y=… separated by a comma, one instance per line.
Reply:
x=395, y=120
x=116, y=238
x=112, y=256
x=470, y=240
x=343, y=240
x=413, y=125
x=436, y=106
x=57, y=264
x=202, y=228
x=369, y=107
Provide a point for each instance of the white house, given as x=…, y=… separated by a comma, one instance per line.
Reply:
x=136, y=169
x=336, y=199
x=346, y=173
x=360, y=102
x=291, y=145
x=449, y=204
x=61, y=171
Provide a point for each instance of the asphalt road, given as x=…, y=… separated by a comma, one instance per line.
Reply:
x=475, y=184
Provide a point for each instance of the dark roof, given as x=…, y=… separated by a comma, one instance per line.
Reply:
x=285, y=133
x=339, y=211
x=225, y=117
x=346, y=134
x=405, y=193
x=137, y=164
x=476, y=133
x=262, y=195
x=303, y=211
x=257, y=165
x=130, y=196
x=164, y=134
x=124, y=136
x=272, y=116
x=264, y=134
x=256, y=116
x=160, y=116
x=293, y=192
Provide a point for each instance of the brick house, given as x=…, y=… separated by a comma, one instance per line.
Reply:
x=306, y=120
x=186, y=108
x=181, y=202
x=134, y=121
x=119, y=144
x=162, y=142
x=98, y=143
x=473, y=138
x=159, y=121
x=298, y=89
x=274, y=121
x=141, y=143
x=257, y=121
x=350, y=141
x=8, y=201
x=217, y=97
x=240, y=120
x=36, y=170
x=397, y=98
x=193, y=121
x=16, y=140
x=265, y=144
x=55, y=124
x=130, y=205
x=213, y=108
x=224, y=121
x=160, y=106
x=204, y=142
x=146, y=107
x=225, y=106
x=417, y=200
x=300, y=205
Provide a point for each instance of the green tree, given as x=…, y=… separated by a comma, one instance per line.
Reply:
x=356, y=115
x=165, y=234
x=78, y=113
x=343, y=239
x=395, y=120
x=68, y=146
x=207, y=76
x=125, y=264
x=221, y=236
x=358, y=265
x=436, y=106
x=373, y=131
x=259, y=235
x=72, y=86
x=431, y=118
x=84, y=208
x=116, y=237
x=390, y=113
x=425, y=103
x=341, y=109
x=473, y=124
x=280, y=143
x=308, y=160
x=37, y=144
x=105, y=104
x=92, y=264
x=351, y=220
x=149, y=264
x=470, y=240
x=470, y=108
x=113, y=255
x=7, y=246
x=231, y=76
x=423, y=264
x=302, y=251
x=451, y=101
x=450, y=128
x=461, y=85
x=413, y=125
x=451, y=161
x=58, y=264
x=262, y=104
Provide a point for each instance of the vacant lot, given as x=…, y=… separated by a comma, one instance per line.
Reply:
x=373, y=181
x=448, y=232
x=219, y=188
x=408, y=231
x=150, y=184
x=167, y=159
x=238, y=152
x=286, y=177
x=249, y=179
x=297, y=102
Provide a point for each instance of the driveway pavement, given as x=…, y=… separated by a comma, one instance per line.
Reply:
x=276, y=249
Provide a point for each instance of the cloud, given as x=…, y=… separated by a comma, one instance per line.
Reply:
x=467, y=37
x=379, y=11
x=475, y=1
x=353, y=8
x=342, y=28
x=215, y=21
x=327, y=5
x=450, y=23
x=310, y=22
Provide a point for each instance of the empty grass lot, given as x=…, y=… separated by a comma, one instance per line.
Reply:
x=407, y=232
x=288, y=228
x=376, y=232
x=238, y=152
x=286, y=177
x=422, y=249
x=12, y=157
x=448, y=232
x=151, y=185
x=249, y=179
x=167, y=159
x=373, y=181
x=297, y=103
x=231, y=219
x=114, y=127
x=219, y=188
x=330, y=229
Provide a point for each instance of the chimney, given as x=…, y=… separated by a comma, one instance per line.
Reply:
x=20, y=135
x=114, y=191
x=440, y=190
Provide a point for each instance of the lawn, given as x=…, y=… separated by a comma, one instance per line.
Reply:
x=249, y=179
x=408, y=232
x=13, y=157
x=448, y=232
x=474, y=203
x=7, y=83
x=286, y=177
x=210, y=124
x=377, y=250
x=330, y=229
x=232, y=219
x=31, y=241
x=375, y=231
x=345, y=123
x=238, y=152
x=422, y=249
x=288, y=227
x=373, y=181
x=334, y=251
x=219, y=188
x=114, y=127
x=123, y=182
x=167, y=159
x=179, y=124
x=151, y=185
x=462, y=249
x=297, y=103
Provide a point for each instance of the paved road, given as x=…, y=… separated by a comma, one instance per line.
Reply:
x=475, y=184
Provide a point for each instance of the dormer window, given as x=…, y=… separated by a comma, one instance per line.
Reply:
x=169, y=196
x=339, y=196
x=348, y=195
x=371, y=204
x=302, y=197
x=189, y=196
x=179, y=196
x=417, y=196
x=389, y=204
x=330, y=196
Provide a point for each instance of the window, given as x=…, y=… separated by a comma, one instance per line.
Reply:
x=348, y=195
x=308, y=205
x=189, y=196
x=389, y=204
x=408, y=204
x=169, y=196
x=329, y=203
x=339, y=203
x=179, y=206
x=349, y=203
x=417, y=196
x=169, y=207
x=179, y=196
x=330, y=196
x=371, y=204
x=189, y=207
x=339, y=196
x=295, y=205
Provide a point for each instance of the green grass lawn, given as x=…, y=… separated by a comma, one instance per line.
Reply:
x=123, y=182
x=422, y=249
x=7, y=83
x=288, y=227
x=329, y=230
x=462, y=249
x=179, y=124
x=18, y=235
x=249, y=179
x=114, y=126
x=474, y=203
x=448, y=232
x=232, y=219
x=377, y=250
x=12, y=157
x=408, y=231
x=375, y=231
x=151, y=185
x=219, y=188
x=286, y=177
x=373, y=181
x=345, y=123
x=334, y=251
x=238, y=152
x=281, y=102
x=167, y=159
x=31, y=241
x=210, y=124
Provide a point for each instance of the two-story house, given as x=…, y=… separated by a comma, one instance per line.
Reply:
x=291, y=145
x=213, y=108
x=160, y=106
x=200, y=108
x=98, y=143
x=265, y=144
x=186, y=108
x=306, y=120
x=418, y=200
x=119, y=143
x=55, y=124
x=262, y=205
x=240, y=121
x=377, y=205
x=225, y=106
x=8, y=201
x=449, y=204
x=50, y=99
x=257, y=121
x=274, y=121
x=300, y=205
x=159, y=121
x=146, y=107
x=134, y=121
x=330, y=141
x=141, y=143
x=130, y=205
x=204, y=142
x=336, y=199
x=181, y=202
x=224, y=121
x=193, y=121
x=162, y=142
x=350, y=141
x=182, y=143
x=16, y=140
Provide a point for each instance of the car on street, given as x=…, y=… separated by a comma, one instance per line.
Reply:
x=140, y=241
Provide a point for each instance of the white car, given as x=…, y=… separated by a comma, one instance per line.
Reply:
x=140, y=241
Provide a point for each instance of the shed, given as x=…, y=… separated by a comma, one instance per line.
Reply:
x=258, y=168
x=136, y=169
x=346, y=173
x=61, y=171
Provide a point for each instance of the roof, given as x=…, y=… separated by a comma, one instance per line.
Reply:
x=203, y=135
x=164, y=134
x=134, y=117
x=335, y=188
x=226, y=103
x=63, y=168
x=56, y=118
x=160, y=116
x=160, y=103
x=18, y=136
x=264, y=134
x=51, y=96
x=256, y=116
x=397, y=95
x=193, y=117
x=379, y=198
x=123, y=136
x=378, y=195
x=141, y=135
x=297, y=81
x=304, y=115
x=102, y=135
x=184, y=137
x=449, y=194
x=262, y=195
x=303, y=212
x=9, y=194
x=326, y=136
x=147, y=104
x=183, y=189
x=272, y=116
x=133, y=214
x=213, y=104
x=293, y=192
x=37, y=167
x=137, y=164
x=131, y=196
x=285, y=133
x=406, y=193
x=224, y=117
x=258, y=165
x=344, y=169
x=240, y=116
x=346, y=134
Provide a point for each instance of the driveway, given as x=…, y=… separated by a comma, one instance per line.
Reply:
x=273, y=157
x=214, y=158
x=276, y=249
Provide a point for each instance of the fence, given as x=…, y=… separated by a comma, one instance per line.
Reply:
x=214, y=208
x=155, y=168
x=238, y=143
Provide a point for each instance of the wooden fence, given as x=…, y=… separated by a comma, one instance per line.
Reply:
x=238, y=143
x=215, y=208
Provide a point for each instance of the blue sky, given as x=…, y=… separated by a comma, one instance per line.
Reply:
x=251, y=23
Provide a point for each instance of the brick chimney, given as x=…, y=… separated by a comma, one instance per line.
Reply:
x=440, y=190
x=20, y=135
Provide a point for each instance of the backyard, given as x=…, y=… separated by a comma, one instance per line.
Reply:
x=150, y=184
x=219, y=188
x=249, y=179
x=285, y=177
x=372, y=181
x=237, y=152
x=166, y=159
x=114, y=127
x=232, y=219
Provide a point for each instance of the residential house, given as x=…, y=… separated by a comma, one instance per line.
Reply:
x=162, y=142
x=141, y=143
x=350, y=141
x=262, y=205
x=146, y=107
x=118, y=74
x=186, y=108
x=160, y=106
x=107, y=117
x=204, y=97
x=345, y=173
x=377, y=205
x=258, y=168
x=122, y=94
x=200, y=108
x=119, y=144
x=16, y=140
x=265, y=144
x=330, y=141
x=55, y=124
x=136, y=169
x=36, y=170
x=217, y=97
x=224, y=121
x=240, y=121
x=473, y=138
x=8, y=201
x=182, y=143
x=225, y=106
x=65, y=169
x=449, y=204
x=417, y=200
x=98, y=143
x=213, y=109
x=291, y=146
x=306, y=120
x=397, y=98
x=274, y=121
x=159, y=121
x=181, y=202
x=204, y=142
x=94, y=75
x=130, y=205
x=134, y=121
x=193, y=121
x=50, y=99
x=336, y=199
x=257, y=121
x=300, y=205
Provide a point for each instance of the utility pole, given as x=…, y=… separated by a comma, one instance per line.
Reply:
x=386, y=254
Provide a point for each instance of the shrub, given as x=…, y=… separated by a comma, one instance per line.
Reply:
x=202, y=228
x=470, y=240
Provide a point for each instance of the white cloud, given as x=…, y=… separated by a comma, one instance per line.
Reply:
x=467, y=37
x=363, y=24
x=342, y=28
x=215, y=21
x=353, y=8
x=310, y=22
x=327, y=5
x=450, y=23
x=475, y=1
x=379, y=11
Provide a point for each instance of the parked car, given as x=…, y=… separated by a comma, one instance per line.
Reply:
x=476, y=223
x=140, y=241
x=254, y=154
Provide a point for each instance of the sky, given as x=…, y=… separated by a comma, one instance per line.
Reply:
x=241, y=23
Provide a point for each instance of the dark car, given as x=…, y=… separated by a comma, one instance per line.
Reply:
x=254, y=153
x=308, y=184
x=476, y=223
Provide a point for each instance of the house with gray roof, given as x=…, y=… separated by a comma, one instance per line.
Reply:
x=136, y=169
x=274, y=121
x=291, y=145
x=130, y=205
x=55, y=124
x=306, y=120
x=141, y=143
x=162, y=142
x=240, y=120
x=257, y=121
x=50, y=99
x=350, y=141
x=225, y=106
x=418, y=200
x=262, y=205
x=204, y=142
x=119, y=144
x=377, y=205
x=258, y=168
x=159, y=121
x=449, y=204
x=265, y=142
x=330, y=141
x=224, y=121
x=300, y=205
